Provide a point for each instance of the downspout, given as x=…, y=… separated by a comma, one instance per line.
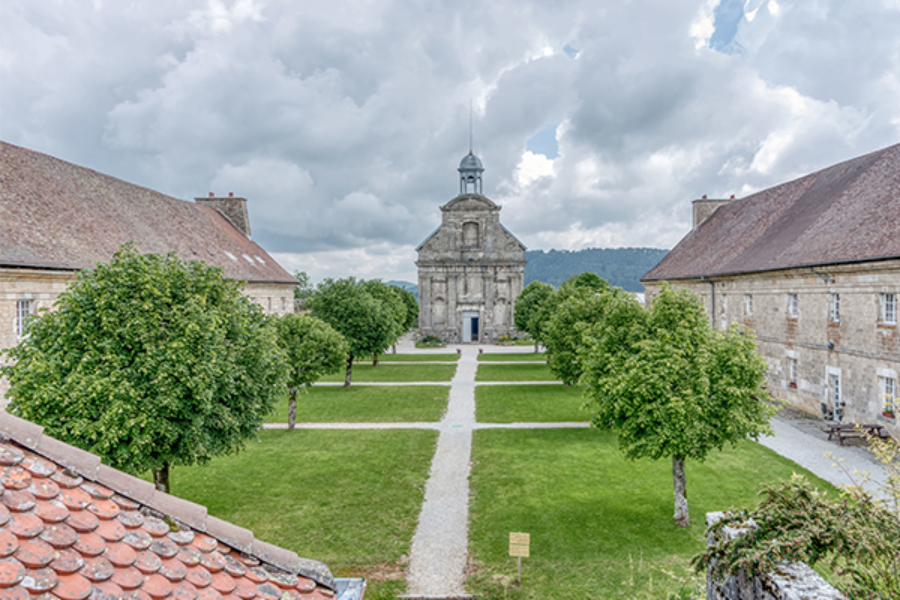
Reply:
x=712, y=301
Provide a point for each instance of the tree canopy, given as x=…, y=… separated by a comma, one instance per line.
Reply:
x=304, y=287
x=149, y=361
x=579, y=308
x=582, y=285
x=670, y=385
x=362, y=312
x=527, y=307
x=313, y=349
x=412, y=307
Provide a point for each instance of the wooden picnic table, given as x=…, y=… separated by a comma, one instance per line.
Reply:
x=845, y=431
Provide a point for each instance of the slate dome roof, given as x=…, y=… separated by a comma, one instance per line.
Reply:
x=470, y=162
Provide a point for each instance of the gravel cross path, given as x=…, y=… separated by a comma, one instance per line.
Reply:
x=439, y=552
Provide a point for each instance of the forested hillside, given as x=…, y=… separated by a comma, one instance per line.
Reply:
x=622, y=267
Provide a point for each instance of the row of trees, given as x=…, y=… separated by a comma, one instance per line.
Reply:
x=669, y=384
x=151, y=361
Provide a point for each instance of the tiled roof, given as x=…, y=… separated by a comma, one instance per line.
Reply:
x=72, y=528
x=61, y=216
x=849, y=212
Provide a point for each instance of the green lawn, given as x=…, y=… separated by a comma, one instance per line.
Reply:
x=411, y=358
x=397, y=373
x=487, y=372
x=514, y=403
x=516, y=356
x=348, y=498
x=601, y=527
x=367, y=404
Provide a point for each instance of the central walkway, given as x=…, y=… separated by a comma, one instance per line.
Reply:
x=437, y=560
x=439, y=552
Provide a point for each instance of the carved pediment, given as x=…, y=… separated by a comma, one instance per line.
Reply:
x=469, y=202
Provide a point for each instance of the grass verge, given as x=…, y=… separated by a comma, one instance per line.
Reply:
x=366, y=404
x=410, y=358
x=512, y=357
x=489, y=372
x=397, y=373
x=348, y=498
x=601, y=527
x=529, y=403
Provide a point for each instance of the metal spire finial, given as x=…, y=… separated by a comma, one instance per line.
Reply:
x=470, y=126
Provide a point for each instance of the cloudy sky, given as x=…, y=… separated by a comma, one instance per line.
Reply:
x=344, y=122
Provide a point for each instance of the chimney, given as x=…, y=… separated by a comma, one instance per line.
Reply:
x=704, y=207
x=233, y=209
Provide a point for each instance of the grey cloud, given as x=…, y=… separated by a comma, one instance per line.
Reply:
x=343, y=123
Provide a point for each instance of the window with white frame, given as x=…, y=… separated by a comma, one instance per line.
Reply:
x=888, y=387
x=834, y=308
x=23, y=309
x=889, y=308
x=793, y=372
x=748, y=305
x=793, y=306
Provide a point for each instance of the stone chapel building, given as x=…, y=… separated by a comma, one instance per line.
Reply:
x=471, y=269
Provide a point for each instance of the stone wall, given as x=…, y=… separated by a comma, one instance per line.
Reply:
x=791, y=581
x=859, y=348
x=42, y=287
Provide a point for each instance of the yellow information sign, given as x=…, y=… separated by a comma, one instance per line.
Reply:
x=519, y=544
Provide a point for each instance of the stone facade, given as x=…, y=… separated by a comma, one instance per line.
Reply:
x=471, y=270
x=59, y=218
x=810, y=353
x=27, y=291
x=812, y=267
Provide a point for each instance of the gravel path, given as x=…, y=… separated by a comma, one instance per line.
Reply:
x=439, y=552
x=437, y=559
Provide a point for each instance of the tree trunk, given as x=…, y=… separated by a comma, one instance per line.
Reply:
x=375, y=359
x=394, y=347
x=682, y=516
x=161, y=478
x=536, y=344
x=349, y=371
x=292, y=410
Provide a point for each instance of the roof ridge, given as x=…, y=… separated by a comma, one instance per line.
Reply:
x=190, y=514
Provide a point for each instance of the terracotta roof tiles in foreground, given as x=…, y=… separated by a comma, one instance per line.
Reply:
x=72, y=528
x=845, y=213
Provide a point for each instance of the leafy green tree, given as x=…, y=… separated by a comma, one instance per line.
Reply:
x=564, y=329
x=576, y=284
x=670, y=385
x=313, y=349
x=304, y=288
x=368, y=323
x=149, y=361
x=412, y=308
x=393, y=302
x=528, y=304
x=412, y=311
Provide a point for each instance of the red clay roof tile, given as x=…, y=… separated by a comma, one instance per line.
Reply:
x=110, y=546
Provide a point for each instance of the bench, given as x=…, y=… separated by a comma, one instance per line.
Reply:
x=849, y=431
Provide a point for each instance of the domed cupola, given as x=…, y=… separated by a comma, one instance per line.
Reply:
x=470, y=170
